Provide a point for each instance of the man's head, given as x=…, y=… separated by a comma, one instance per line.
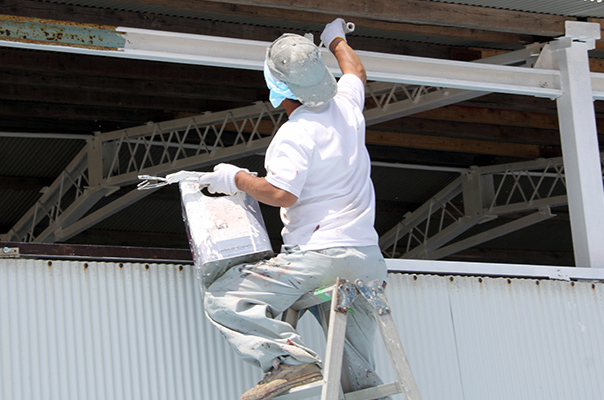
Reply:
x=297, y=62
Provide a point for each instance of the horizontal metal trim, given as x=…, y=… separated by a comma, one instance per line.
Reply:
x=489, y=269
x=182, y=256
x=104, y=253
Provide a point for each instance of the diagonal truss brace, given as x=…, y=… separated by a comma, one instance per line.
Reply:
x=478, y=196
x=114, y=160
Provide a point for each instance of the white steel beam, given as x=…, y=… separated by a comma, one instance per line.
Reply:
x=497, y=270
x=249, y=54
x=579, y=136
x=175, y=47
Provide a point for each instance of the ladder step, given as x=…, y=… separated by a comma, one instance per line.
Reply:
x=376, y=392
x=314, y=389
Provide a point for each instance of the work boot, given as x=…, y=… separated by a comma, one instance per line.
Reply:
x=282, y=379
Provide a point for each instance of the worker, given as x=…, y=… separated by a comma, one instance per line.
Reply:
x=318, y=173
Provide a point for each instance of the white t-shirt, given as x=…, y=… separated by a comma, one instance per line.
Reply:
x=319, y=155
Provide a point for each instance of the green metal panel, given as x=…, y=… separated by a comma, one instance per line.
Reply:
x=60, y=33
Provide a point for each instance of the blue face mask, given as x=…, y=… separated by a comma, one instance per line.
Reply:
x=279, y=90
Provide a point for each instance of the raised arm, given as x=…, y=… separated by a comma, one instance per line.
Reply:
x=334, y=38
x=349, y=61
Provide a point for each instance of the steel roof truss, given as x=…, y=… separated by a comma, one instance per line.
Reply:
x=477, y=196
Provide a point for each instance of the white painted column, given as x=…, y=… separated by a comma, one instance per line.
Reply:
x=580, y=142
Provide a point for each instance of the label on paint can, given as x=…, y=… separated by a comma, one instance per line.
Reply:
x=223, y=230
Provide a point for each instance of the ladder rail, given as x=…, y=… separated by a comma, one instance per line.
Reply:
x=341, y=295
x=398, y=358
x=335, y=348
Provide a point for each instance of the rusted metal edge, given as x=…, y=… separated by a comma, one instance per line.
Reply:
x=99, y=253
x=60, y=33
x=66, y=45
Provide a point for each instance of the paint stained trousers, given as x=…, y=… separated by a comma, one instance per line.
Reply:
x=246, y=302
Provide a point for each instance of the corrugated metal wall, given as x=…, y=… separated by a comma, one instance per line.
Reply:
x=75, y=330
x=499, y=338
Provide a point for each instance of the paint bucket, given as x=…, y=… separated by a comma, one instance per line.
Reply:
x=223, y=230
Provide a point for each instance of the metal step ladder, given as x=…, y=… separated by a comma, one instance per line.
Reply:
x=342, y=295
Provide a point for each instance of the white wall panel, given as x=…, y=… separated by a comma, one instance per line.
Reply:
x=75, y=330
x=499, y=338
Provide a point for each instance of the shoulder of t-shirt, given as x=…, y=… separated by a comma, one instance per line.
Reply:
x=352, y=86
x=294, y=130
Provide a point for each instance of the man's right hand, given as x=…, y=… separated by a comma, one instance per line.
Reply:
x=333, y=30
x=334, y=38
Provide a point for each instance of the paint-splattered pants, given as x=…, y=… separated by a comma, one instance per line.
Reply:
x=246, y=301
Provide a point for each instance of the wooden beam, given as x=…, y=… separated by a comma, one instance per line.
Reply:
x=452, y=144
x=512, y=102
x=412, y=11
x=150, y=100
x=73, y=112
x=492, y=116
x=156, y=75
x=471, y=130
x=599, y=43
x=16, y=120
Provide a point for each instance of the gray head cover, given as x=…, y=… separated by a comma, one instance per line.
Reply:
x=296, y=60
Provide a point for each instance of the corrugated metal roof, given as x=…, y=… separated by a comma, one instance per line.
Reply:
x=571, y=8
x=94, y=330
x=176, y=11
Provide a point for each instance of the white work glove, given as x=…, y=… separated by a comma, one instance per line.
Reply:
x=334, y=29
x=222, y=180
